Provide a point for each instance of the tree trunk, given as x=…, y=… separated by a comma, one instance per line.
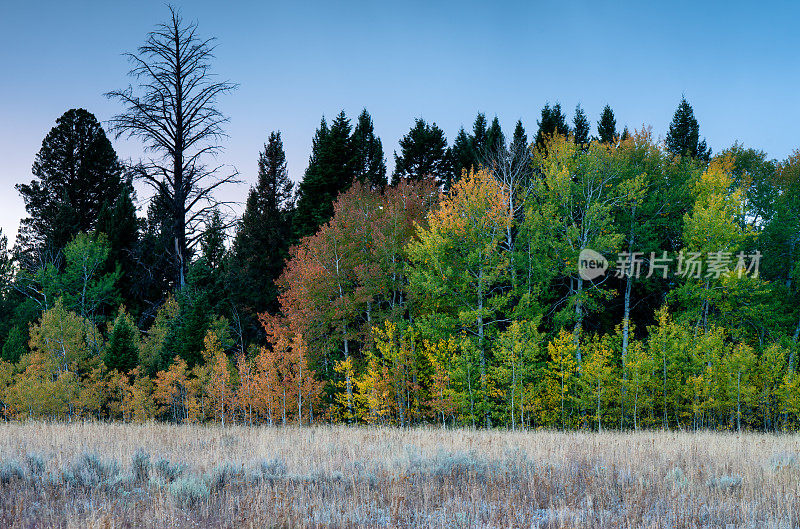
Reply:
x=576, y=338
x=487, y=419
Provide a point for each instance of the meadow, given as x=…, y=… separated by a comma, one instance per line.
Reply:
x=87, y=474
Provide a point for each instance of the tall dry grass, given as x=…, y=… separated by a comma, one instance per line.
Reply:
x=157, y=475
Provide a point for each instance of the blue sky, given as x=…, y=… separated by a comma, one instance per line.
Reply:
x=737, y=63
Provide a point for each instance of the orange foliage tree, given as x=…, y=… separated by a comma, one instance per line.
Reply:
x=351, y=273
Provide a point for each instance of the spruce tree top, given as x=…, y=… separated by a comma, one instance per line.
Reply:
x=582, y=127
x=683, y=138
x=607, y=126
x=553, y=121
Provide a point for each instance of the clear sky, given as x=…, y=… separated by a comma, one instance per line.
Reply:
x=737, y=63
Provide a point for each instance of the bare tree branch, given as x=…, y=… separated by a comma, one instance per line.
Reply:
x=172, y=110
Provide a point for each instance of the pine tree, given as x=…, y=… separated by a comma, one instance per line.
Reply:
x=462, y=157
x=154, y=263
x=208, y=273
x=119, y=223
x=519, y=138
x=553, y=121
x=77, y=174
x=330, y=171
x=122, y=350
x=494, y=136
x=471, y=151
x=369, y=163
x=607, y=126
x=15, y=345
x=262, y=240
x=423, y=154
x=581, y=127
x=683, y=138
x=480, y=138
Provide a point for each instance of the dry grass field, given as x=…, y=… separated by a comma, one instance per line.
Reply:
x=156, y=475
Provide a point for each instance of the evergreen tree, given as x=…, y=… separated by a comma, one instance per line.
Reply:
x=520, y=137
x=154, y=268
x=607, y=126
x=480, y=138
x=122, y=350
x=119, y=223
x=15, y=345
x=683, y=138
x=212, y=243
x=520, y=154
x=553, y=121
x=495, y=140
x=330, y=171
x=462, y=157
x=470, y=151
x=208, y=272
x=369, y=163
x=581, y=127
x=263, y=237
x=423, y=153
x=77, y=175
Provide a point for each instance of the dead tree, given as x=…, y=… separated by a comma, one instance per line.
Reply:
x=172, y=109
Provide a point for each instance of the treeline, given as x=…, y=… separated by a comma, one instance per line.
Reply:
x=455, y=292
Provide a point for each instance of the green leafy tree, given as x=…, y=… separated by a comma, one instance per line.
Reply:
x=640, y=368
x=570, y=211
x=517, y=363
x=83, y=285
x=713, y=235
x=458, y=268
x=598, y=381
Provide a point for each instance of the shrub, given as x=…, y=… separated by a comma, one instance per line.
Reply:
x=783, y=460
x=89, y=471
x=677, y=477
x=189, y=490
x=10, y=471
x=168, y=471
x=725, y=482
x=273, y=469
x=140, y=466
x=453, y=466
x=35, y=464
x=226, y=474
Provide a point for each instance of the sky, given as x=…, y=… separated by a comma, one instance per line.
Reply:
x=737, y=64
